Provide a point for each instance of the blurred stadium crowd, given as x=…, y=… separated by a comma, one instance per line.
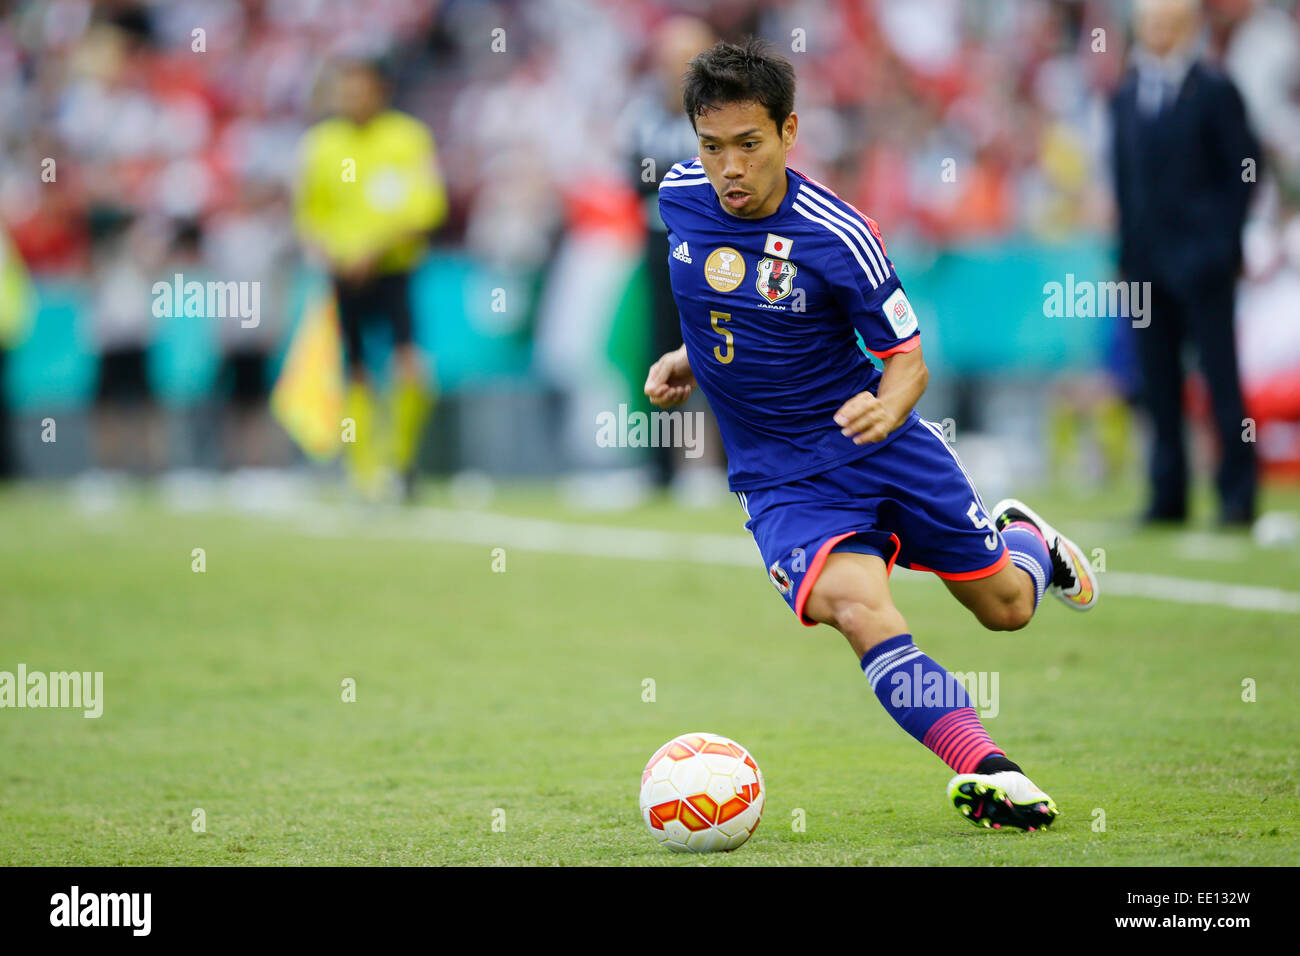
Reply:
x=175, y=152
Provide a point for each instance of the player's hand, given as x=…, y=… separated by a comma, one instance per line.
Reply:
x=670, y=379
x=358, y=271
x=865, y=418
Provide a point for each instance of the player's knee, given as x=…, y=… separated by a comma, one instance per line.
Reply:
x=1017, y=617
x=408, y=363
x=866, y=622
x=850, y=616
x=1007, y=615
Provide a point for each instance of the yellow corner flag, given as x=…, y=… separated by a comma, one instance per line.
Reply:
x=308, y=396
x=17, y=298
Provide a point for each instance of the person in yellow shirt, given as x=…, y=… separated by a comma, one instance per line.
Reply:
x=369, y=194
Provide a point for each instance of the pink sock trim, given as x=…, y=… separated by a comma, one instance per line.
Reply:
x=960, y=740
x=1028, y=526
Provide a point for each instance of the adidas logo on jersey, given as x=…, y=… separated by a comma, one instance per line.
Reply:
x=683, y=253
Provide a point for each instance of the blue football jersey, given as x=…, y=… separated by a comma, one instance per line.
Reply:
x=769, y=308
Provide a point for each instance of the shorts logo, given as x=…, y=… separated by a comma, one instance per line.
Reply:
x=780, y=579
x=899, y=313
x=724, y=269
x=775, y=278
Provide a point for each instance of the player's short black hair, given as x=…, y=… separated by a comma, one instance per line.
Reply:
x=376, y=66
x=746, y=73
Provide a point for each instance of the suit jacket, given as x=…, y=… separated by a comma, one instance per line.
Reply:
x=1179, y=181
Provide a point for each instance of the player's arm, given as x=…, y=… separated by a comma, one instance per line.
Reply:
x=866, y=417
x=425, y=207
x=429, y=204
x=868, y=290
x=311, y=203
x=670, y=379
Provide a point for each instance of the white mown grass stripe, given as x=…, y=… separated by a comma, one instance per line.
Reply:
x=1246, y=597
x=733, y=550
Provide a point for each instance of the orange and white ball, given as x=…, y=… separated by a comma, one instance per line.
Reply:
x=702, y=792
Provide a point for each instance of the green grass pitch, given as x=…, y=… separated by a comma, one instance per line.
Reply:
x=479, y=691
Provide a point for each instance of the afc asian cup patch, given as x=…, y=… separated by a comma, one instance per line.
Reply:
x=724, y=269
x=780, y=580
x=899, y=313
x=775, y=278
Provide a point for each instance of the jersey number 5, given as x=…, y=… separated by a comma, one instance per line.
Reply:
x=990, y=541
x=718, y=353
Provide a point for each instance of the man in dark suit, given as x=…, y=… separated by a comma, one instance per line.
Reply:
x=1183, y=183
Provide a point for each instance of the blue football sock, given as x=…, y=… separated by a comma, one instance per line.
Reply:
x=1029, y=553
x=928, y=702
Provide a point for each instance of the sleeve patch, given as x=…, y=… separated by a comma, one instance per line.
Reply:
x=899, y=312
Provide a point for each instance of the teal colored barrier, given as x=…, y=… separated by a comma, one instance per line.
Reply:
x=55, y=366
x=981, y=310
x=452, y=301
x=184, y=358
x=472, y=321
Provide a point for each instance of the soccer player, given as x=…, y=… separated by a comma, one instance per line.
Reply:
x=368, y=196
x=840, y=479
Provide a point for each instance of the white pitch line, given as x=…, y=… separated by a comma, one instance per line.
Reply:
x=645, y=544
x=542, y=534
x=1187, y=591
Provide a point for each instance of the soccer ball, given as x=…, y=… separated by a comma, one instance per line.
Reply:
x=701, y=793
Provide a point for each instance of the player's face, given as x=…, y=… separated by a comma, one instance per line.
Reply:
x=359, y=94
x=743, y=154
x=1163, y=25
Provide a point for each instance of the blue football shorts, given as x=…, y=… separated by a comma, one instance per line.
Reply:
x=911, y=503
